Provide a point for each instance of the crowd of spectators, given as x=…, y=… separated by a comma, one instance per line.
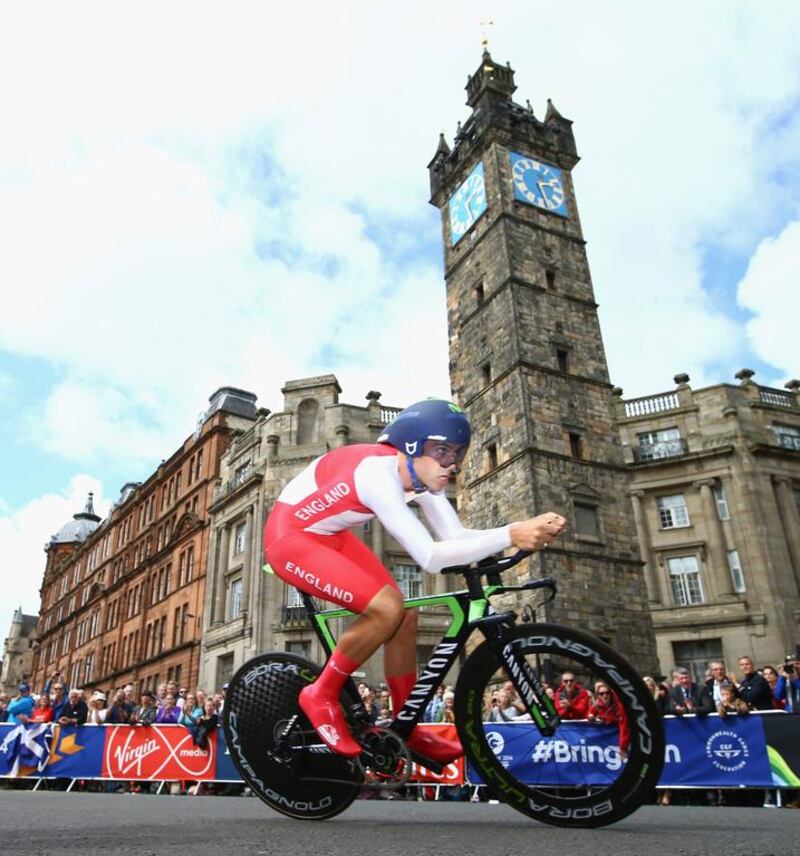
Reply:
x=720, y=691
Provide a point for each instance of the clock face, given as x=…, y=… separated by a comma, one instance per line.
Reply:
x=537, y=183
x=467, y=204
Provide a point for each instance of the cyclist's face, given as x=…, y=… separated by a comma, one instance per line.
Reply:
x=445, y=454
x=432, y=473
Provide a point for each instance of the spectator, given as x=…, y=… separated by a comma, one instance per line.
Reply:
x=369, y=704
x=169, y=712
x=771, y=677
x=75, y=710
x=384, y=717
x=145, y=712
x=660, y=693
x=97, y=709
x=384, y=700
x=447, y=714
x=607, y=710
x=200, y=697
x=43, y=712
x=753, y=688
x=503, y=707
x=20, y=708
x=572, y=700
x=161, y=695
x=59, y=692
x=729, y=703
x=172, y=689
x=223, y=693
x=712, y=691
x=219, y=701
x=206, y=724
x=434, y=706
x=787, y=686
x=190, y=712
x=3, y=707
x=120, y=711
x=687, y=697
x=509, y=687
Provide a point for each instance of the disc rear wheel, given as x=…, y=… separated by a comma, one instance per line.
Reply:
x=270, y=752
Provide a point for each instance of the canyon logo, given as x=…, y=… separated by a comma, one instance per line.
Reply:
x=157, y=752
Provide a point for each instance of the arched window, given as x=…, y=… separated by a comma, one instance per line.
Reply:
x=307, y=412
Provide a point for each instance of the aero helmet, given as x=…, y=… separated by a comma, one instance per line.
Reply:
x=432, y=419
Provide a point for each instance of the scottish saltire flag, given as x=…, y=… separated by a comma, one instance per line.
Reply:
x=24, y=749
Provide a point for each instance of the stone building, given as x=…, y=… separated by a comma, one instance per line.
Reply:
x=122, y=598
x=248, y=611
x=715, y=483
x=18, y=652
x=527, y=360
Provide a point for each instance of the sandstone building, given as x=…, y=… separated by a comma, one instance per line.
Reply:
x=715, y=483
x=526, y=356
x=122, y=598
x=18, y=652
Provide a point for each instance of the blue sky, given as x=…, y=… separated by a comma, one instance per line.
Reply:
x=243, y=199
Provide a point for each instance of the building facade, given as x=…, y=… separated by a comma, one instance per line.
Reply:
x=715, y=484
x=527, y=361
x=248, y=611
x=122, y=598
x=18, y=652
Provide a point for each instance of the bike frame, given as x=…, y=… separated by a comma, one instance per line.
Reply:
x=470, y=610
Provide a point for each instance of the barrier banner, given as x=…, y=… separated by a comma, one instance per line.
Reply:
x=157, y=752
x=783, y=748
x=453, y=773
x=701, y=751
x=77, y=752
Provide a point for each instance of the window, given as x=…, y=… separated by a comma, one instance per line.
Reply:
x=490, y=456
x=550, y=278
x=235, y=599
x=788, y=435
x=684, y=575
x=299, y=646
x=665, y=443
x=238, y=543
x=307, y=413
x=736, y=571
x=199, y=464
x=672, y=511
x=575, y=445
x=294, y=597
x=562, y=358
x=723, y=512
x=409, y=580
x=695, y=655
x=224, y=669
x=240, y=474
x=586, y=521
x=88, y=668
x=486, y=374
x=479, y=295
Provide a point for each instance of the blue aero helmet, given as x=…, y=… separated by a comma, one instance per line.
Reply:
x=432, y=419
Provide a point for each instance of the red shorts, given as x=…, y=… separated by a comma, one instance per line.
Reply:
x=338, y=568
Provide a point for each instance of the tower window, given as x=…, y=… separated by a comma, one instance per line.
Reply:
x=586, y=520
x=575, y=445
x=486, y=373
x=491, y=456
x=550, y=278
x=562, y=356
x=479, y=294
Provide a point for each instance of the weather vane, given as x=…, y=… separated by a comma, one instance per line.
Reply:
x=485, y=23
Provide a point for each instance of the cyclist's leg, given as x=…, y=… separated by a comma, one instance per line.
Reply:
x=318, y=565
x=400, y=660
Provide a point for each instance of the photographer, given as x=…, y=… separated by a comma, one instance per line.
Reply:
x=787, y=687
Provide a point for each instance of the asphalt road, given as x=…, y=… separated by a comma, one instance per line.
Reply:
x=44, y=823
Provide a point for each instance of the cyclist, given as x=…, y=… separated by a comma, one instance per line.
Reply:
x=308, y=544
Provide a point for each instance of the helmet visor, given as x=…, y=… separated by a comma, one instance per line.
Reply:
x=445, y=454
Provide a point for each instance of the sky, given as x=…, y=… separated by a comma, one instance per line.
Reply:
x=195, y=195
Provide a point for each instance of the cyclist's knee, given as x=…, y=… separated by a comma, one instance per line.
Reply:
x=386, y=608
x=408, y=624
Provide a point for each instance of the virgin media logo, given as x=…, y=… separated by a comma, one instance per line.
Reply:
x=156, y=752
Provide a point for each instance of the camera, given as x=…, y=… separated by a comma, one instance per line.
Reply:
x=788, y=664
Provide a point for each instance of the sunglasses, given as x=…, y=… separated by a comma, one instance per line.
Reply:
x=567, y=681
x=445, y=454
x=604, y=692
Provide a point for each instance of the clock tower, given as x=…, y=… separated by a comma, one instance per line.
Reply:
x=527, y=361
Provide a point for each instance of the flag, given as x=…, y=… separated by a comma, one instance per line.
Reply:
x=24, y=750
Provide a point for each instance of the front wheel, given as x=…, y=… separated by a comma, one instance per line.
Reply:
x=585, y=774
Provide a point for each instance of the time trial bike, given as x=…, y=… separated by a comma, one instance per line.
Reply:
x=559, y=771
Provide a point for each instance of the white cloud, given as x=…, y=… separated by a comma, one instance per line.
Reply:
x=769, y=289
x=23, y=535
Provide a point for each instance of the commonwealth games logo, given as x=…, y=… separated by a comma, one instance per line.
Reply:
x=727, y=751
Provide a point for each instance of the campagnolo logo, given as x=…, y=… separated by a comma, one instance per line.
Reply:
x=727, y=751
x=495, y=741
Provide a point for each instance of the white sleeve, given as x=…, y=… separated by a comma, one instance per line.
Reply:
x=443, y=517
x=379, y=489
